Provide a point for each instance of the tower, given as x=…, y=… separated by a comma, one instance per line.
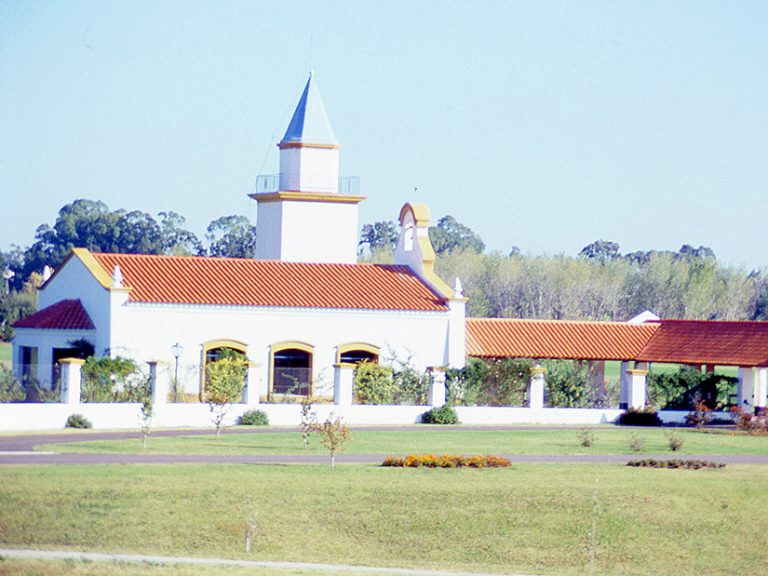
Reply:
x=306, y=219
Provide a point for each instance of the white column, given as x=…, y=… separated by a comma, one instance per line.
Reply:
x=71, y=380
x=761, y=387
x=252, y=388
x=343, y=379
x=624, y=385
x=536, y=387
x=637, y=386
x=746, y=390
x=159, y=378
x=437, y=387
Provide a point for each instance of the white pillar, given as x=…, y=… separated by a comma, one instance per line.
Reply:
x=159, y=378
x=71, y=380
x=636, y=385
x=761, y=387
x=252, y=388
x=343, y=379
x=624, y=385
x=746, y=390
x=536, y=387
x=437, y=387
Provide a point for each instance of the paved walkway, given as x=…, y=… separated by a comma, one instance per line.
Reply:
x=308, y=566
x=20, y=449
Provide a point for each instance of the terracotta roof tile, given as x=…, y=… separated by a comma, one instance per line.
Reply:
x=709, y=342
x=64, y=315
x=249, y=282
x=518, y=338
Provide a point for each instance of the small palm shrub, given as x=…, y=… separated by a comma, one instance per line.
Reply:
x=675, y=440
x=443, y=415
x=586, y=437
x=636, y=442
x=78, y=421
x=253, y=418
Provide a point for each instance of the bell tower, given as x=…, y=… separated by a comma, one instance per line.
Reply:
x=307, y=219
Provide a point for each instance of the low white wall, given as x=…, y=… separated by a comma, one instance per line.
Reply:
x=19, y=417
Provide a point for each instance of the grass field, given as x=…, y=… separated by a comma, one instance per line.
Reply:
x=537, y=519
x=608, y=440
x=5, y=352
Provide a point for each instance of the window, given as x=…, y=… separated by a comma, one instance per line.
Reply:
x=357, y=352
x=28, y=357
x=292, y=369
x=216, y=350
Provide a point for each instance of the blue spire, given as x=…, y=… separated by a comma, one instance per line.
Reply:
x=310, y=123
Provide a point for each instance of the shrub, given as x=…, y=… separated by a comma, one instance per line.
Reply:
x=10, y=389
x=446, y=461
x=112, y=380
x=224, y=383
x=636, y=442
x=700, y=414
x=586, y=437
x=443, y=415
x=569, y=385
x=490, y=382
x=675, y=464
x=253, y=418
x=373, y=384
x=78, y=421
x=640, y=417
x=682, y=389
x=675, y=440
x=748, y=422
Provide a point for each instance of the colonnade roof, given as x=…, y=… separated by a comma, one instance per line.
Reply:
x=694, y=342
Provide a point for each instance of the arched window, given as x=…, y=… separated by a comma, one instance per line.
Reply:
x=291, y=369
x=215, y=350
x=357, y=352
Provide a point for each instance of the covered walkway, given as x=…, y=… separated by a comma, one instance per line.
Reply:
x=698, y=343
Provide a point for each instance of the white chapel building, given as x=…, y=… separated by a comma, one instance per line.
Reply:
x=300, y=311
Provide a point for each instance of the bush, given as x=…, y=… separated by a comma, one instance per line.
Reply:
x=748, y=422
x=78, y=421
x=568, y=384
x=443, y=415
x=675, y=464
x=490, y=382
x=640, y=417
x=675, y=440
x=373, y=384
x=682, y=389
x=446, y=461
x=253, y=418
x=112, y=380
x=700, y=414
x=10, y=389
x=636, y=442
x=586, y=437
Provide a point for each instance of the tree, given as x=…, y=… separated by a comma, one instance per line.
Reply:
x=224, y=383
x=451, y=236
x=333, y=434
x=379, y=235
x=601, y=250
x=177, y=240
x=231, y=236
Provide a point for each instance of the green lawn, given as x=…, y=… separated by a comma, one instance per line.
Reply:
x=608, y=440
x=79, y=568
x=5, y=352
x=533, y=519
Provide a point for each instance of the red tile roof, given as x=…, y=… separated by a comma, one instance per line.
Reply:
x=709, y=342
x=504, y=337
x=64, y=315
x=249, y=282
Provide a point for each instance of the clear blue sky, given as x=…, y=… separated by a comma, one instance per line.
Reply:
x=544, y=125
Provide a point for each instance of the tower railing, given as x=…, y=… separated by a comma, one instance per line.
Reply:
x=270, y=183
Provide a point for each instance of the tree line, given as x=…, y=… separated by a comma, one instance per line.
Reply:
x=598, y=283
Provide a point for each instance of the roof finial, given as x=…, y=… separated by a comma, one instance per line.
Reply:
x=458, y=290
x=117, y=277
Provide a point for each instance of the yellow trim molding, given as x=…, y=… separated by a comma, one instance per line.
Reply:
x=290, y=345
x=344, y=348
x=297, y=196
x=284, y=145
x=421, y=215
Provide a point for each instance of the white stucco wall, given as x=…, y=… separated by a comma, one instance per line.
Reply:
x=308, y=169
x=147, y=332
x=269, y=226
